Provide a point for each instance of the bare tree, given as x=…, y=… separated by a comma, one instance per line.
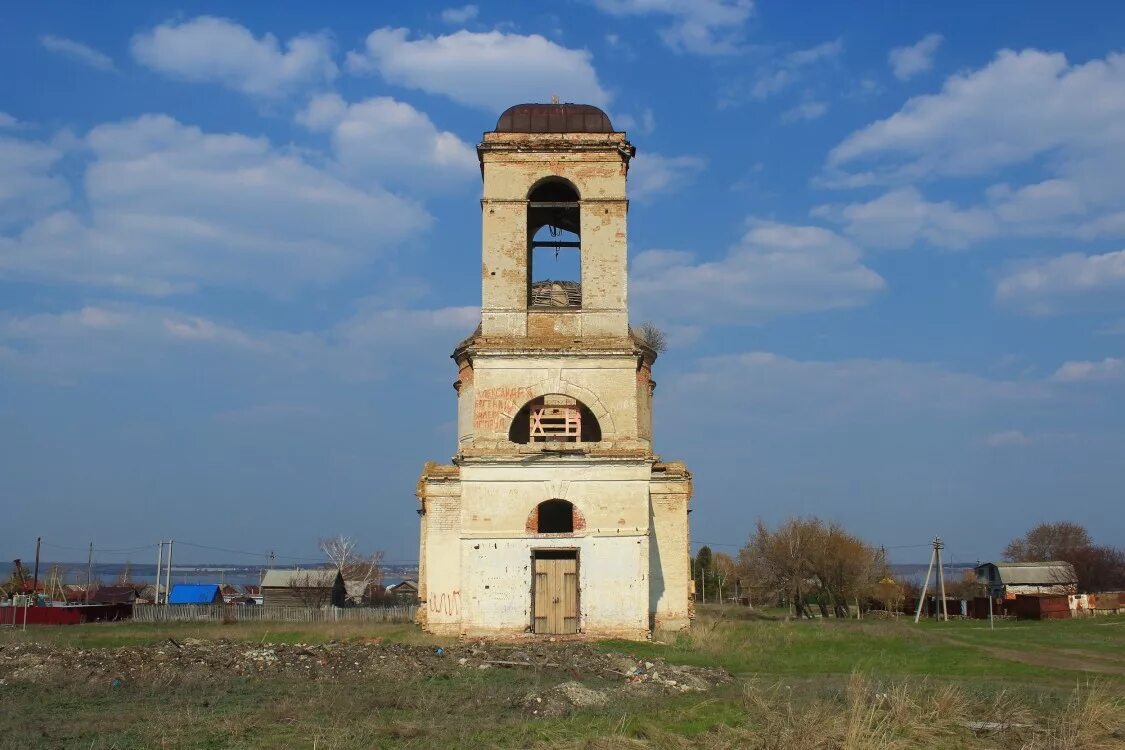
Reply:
x=723, y=569
x=309, y=588
x=354, y=566
x=806, y=557
x=1048, y=541
x=651, y=336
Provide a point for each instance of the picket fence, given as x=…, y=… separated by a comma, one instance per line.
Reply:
x=269, y=613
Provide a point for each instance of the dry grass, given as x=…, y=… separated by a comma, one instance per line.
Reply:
x=1093, y=719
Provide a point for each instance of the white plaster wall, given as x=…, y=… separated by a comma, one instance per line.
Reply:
x=612, y=583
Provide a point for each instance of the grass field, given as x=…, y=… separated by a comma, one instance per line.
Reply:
x=820, y=684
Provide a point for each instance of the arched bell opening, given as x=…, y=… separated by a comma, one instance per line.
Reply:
x=554, y=418
x=554, y=252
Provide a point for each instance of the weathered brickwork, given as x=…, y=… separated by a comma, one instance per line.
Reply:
x=480, y=514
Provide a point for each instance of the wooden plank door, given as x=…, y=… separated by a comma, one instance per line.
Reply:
x=556, y=596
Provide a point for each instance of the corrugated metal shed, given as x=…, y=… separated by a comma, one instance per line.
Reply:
x=195, y=593
x=300, y=577
x=1036, y=573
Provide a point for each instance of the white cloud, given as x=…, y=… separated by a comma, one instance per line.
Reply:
x=775, y=269
x=1007, y=438
x=808, y=395
x=907, y=62
x=490, y=70
x=810, y=110
x=1074, y=280
x=901, y=217
x=77, y=51
x=652, y=174
x=114, y=337
x=1110, y=368
x=8, y=122
x=217, y=50
x=459, y=15
x=169, y=207
x=385, y=141
x=701, y=27
x=789, y=69
x=28, y=189
x=1020, y=106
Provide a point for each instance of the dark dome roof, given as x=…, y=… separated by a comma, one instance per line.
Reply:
x=554, y=118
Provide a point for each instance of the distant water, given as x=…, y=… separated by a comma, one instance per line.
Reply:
x=110, y=573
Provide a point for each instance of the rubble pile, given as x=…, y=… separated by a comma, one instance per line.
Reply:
x=201, y=659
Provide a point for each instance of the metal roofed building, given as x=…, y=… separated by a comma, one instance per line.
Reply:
x=1008, y=579
x=195, y=593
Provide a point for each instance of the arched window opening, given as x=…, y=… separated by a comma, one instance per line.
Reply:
x=554, y=251
x=555, y=517
x=554, y=418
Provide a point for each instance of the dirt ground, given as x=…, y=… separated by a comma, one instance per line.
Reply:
x=193, y=659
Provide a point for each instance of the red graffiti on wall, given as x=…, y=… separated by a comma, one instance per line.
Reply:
x=493, y=407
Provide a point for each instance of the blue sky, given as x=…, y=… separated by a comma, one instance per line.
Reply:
x=236, y=250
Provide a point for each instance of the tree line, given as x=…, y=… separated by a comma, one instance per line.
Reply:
x=809, y=563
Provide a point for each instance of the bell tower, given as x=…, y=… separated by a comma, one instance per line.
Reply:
x=553, y=224
x=556, y=516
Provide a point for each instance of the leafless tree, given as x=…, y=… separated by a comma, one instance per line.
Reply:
x=1097, y=568
x=354, y=566
x=723, y=569
x=651, y=336
x=805, y=557
x=1048, y=541
x=309, y=589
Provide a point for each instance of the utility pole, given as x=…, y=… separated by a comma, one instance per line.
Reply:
x=935, y=556
x=168, y=575
x=89, y=572
x=941, y=577
x=159, y=564
x=35, y=575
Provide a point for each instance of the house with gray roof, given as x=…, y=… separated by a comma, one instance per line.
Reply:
x=1009, y=579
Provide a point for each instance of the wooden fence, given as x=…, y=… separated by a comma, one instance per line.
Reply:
x=268, y=613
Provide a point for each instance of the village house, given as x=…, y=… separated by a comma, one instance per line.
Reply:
x=555, y=515
x=1007, y=580
x=317, y=587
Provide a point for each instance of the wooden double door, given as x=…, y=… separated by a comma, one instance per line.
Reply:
x=555, y=593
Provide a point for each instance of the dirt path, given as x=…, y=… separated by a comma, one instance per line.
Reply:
x=1061, y=658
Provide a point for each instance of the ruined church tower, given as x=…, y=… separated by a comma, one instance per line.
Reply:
x=555, y=516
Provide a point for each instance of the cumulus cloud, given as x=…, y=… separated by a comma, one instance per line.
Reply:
x=652, y=174
x=77, y=51
x=385, y=141
x=28, y=188
x=775, y=269
x=116, y=337
x=1019, y=106
x=169, y=207
x=1070, y=281
x=1110, y=368
x=907, y=62
x=460, y=15
x=808, y=394
x=489, y=70
x=9, y=122
x=701, y=27
x=901, y=217
x=217, y=50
